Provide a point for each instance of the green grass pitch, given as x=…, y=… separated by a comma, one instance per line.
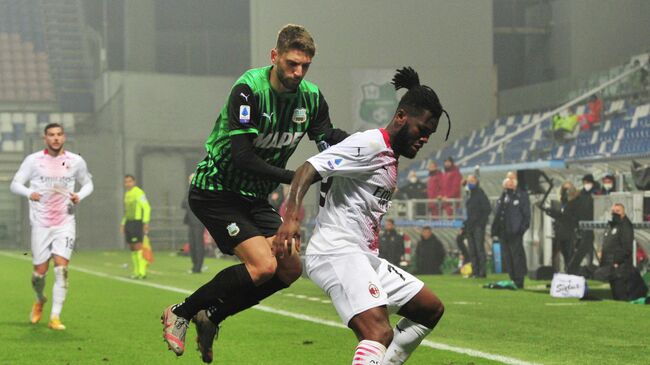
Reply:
x=114, y=320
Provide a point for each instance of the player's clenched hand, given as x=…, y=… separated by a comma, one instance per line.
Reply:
x=35, y=196
x=284, y=239
x=75, y=198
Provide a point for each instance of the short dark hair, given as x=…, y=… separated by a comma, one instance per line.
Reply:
x=418, y=98
x=390, y=220
x=52, y=125
x=293, y=36
x=129, y=176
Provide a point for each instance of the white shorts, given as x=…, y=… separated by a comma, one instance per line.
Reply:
x=48, y=241
x=358, y=282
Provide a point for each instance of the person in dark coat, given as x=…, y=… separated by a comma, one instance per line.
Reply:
x=478, y=210
x=511, y=221
x=195, y=236
x=609, y=185
x=586, y=242
x=414, y=189
x=616, y=260
x=391, y=243
x=430, y=253
x=574, y=207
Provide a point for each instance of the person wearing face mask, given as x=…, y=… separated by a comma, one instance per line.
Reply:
x=589, y=185
x=478, y=210
x=616, y=262
x=609, y=185
x=414, y=189
x=511, y=221
x=573, y=208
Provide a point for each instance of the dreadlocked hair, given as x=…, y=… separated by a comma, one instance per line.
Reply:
x=418, y=98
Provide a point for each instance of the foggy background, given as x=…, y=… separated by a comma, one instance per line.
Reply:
x=139, y=84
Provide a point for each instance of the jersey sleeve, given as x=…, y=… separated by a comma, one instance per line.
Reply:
x=146, y=208
x=321, y=122
x=353, y=157
x=84, y=179
x=21, y=178
x=242, y=111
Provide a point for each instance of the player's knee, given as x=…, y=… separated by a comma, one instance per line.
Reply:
x=438, y=310
x=380, y=333
x=263, y=271
x=435, y=309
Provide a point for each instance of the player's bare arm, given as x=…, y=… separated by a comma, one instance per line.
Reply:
x=290, y=228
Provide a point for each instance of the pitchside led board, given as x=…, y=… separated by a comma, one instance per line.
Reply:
x=374, y=98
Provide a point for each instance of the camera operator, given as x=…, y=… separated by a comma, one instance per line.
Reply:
x=573, y=208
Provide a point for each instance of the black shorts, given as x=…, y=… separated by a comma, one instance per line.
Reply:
x=232, y=218
x=133, y=232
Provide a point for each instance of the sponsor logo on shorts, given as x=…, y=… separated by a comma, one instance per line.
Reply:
x=373, y=290
x=233, y=229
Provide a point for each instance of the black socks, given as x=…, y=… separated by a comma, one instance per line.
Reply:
x=228, y=283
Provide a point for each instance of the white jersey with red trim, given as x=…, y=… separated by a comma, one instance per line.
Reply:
x=362, y=175
x=54, y=179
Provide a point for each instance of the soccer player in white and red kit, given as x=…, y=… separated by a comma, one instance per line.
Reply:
x=342, y=255
x=52, y=174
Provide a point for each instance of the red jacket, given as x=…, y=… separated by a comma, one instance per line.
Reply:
x=450, y=183
x=434, y=185
x=594, y=110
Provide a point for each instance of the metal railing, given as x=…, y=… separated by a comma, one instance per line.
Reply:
x=166, y=228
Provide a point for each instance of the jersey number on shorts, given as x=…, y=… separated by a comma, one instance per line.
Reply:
x=69, y=243
x=392, y=269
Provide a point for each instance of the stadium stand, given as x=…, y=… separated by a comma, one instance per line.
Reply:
x=43, y=55
x=624, y=132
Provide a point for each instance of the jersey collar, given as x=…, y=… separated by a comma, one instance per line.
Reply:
x=47, y=152
x=386, y=137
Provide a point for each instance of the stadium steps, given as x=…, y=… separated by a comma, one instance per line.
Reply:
x=10, y=204
x=70, y=61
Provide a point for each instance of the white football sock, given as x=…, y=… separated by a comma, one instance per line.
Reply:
x=38, y=283
x=407, y=335
x=59, y=290
x=368, y=352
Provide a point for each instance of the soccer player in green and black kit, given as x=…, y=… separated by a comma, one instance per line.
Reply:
x=267, y=113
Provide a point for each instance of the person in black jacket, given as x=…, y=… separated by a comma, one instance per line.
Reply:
x=616, y=259
x=478, y=210
x=414, y=189
x=511, y=221
x=430, y=253
x=574, y=207
x=585, y=247
x=195, y=236
x=391, y=243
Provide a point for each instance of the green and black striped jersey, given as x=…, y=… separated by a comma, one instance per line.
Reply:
x=279, y=121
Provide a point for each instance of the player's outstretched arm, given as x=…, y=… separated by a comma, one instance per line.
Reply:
x=290, y=229
x=244, y=158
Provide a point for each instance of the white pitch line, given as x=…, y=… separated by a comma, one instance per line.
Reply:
x=304, y=317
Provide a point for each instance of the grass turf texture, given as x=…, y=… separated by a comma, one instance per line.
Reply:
x=117, y=322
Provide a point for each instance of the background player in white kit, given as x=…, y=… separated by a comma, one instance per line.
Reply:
x=52, y=173
x=342, y=254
